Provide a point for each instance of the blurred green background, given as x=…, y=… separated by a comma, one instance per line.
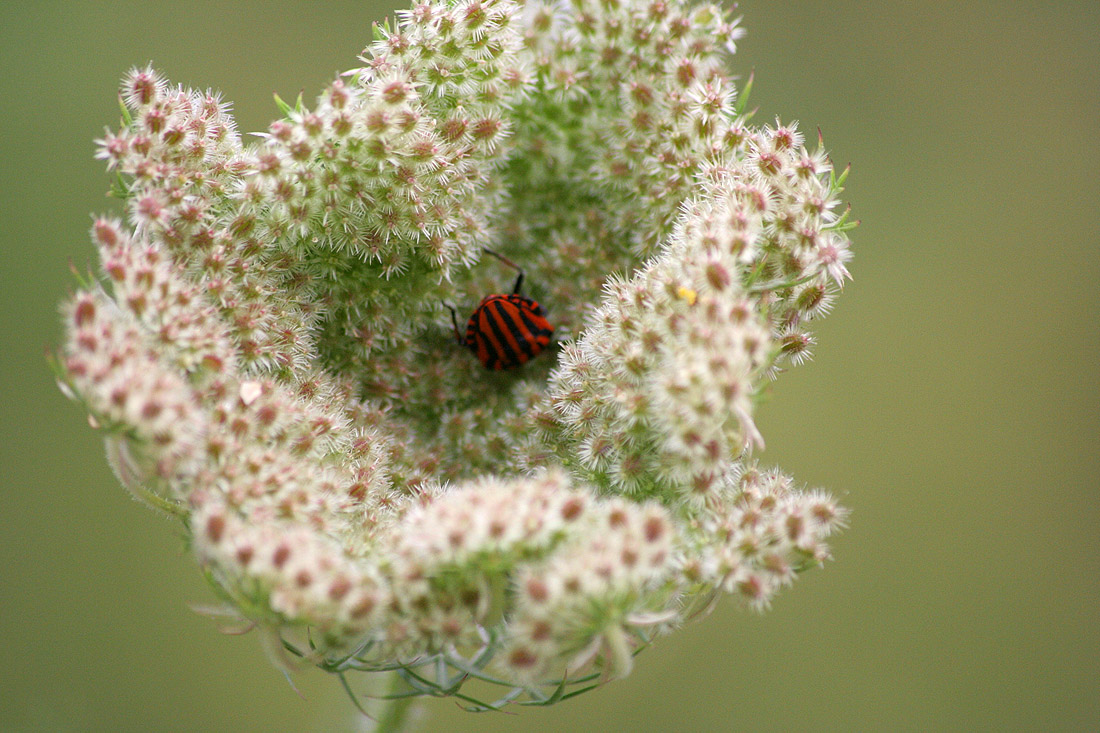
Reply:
x=953, y=402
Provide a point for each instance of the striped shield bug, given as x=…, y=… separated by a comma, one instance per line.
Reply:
x=505, y=331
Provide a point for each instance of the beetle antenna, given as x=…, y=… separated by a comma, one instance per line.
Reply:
x=454, y=321
x=513, y=265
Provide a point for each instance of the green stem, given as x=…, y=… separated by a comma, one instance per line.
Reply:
x=394, y=714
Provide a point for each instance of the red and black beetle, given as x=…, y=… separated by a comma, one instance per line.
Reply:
x=505, y=331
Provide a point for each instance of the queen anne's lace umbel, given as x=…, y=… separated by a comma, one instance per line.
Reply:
x=269, y=354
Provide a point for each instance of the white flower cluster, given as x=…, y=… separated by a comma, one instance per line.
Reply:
x=763, y=535
x=489, y=521
x=586, y=601
x=129, y=387
x=634, y=97
x=299, y=574
x=269, y=358
x=185, y=326
x=384, y=192
x=656, y=395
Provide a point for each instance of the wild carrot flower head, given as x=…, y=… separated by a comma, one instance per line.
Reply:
x=270, y=353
